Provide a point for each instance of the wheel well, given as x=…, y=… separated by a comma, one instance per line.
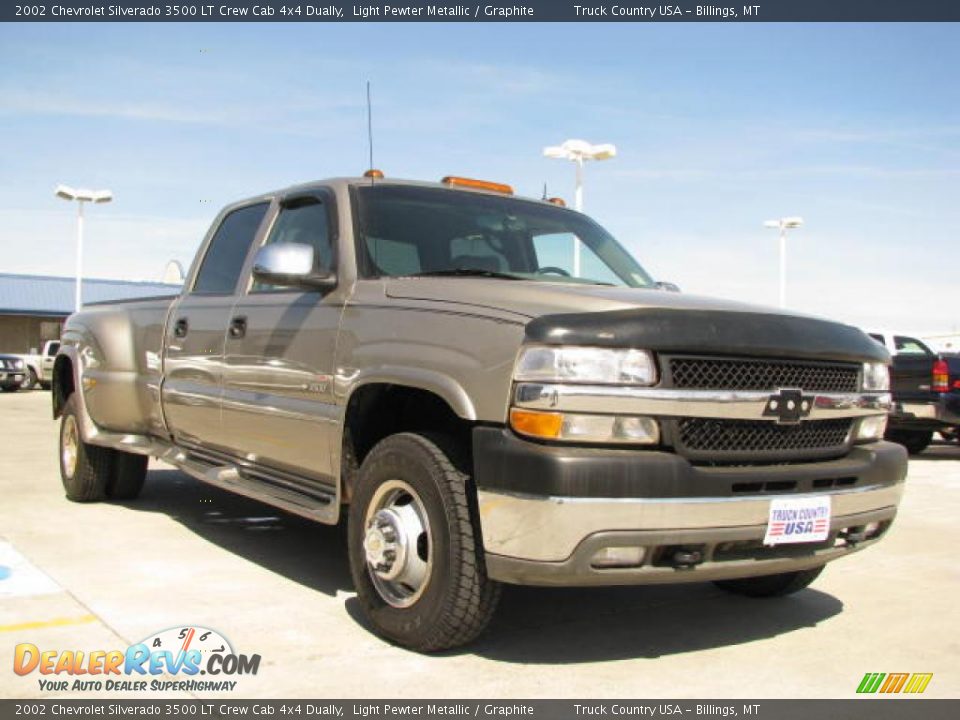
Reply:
x=381, y=409
x=61, y=384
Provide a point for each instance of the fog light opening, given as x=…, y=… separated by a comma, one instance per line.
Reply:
x=617, y=557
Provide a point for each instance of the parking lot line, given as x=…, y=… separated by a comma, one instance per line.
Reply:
x=53, y=622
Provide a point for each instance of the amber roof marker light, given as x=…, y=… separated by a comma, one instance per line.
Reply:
x=374, y=173
x=477, y=184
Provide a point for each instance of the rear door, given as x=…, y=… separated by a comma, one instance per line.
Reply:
x=279, y=411
x=193, y=359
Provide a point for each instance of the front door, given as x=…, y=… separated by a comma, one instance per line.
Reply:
x=278, y=400
x=193, y=359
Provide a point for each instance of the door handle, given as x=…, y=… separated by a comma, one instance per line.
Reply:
x=238, y=327
x=181, y=327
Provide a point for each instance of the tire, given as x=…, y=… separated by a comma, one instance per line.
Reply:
x=129, y=474
x=84, y=469
x=771, y=585
x=408, y=483
x=915, y=441
x=9, y=388
x=29, y=380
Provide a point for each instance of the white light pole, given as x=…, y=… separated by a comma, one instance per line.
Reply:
x=784, y=224
x=579, y=151
x=81, y=196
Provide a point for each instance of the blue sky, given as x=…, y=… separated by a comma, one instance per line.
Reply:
x=856, y=127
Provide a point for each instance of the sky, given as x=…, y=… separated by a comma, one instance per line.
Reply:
x=855, y=127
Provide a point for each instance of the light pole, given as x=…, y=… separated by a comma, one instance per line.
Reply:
x=579, y=151
x=784, y=224
x=81, y=196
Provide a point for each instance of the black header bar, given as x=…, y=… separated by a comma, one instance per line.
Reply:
x=460, y=11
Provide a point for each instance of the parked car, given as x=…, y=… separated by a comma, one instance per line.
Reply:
x=39, y=366
x=11, y=373
x=926, y=391
x=436, y=365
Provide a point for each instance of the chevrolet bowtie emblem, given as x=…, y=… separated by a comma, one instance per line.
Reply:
x=788, y=406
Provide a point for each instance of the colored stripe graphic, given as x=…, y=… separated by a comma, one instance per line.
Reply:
x=870, y=682
x=918, y=683
x=894, y=682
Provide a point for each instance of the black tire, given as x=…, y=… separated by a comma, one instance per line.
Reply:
x=92, y=466
x=457, y=600
x=129, y=474
x=9, y=388
x=29, y=380
x=915, y=441
x=771, y=585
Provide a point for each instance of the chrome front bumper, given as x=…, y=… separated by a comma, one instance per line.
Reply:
x=549, y=529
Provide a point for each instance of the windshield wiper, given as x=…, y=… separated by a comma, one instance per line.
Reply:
x=468, y=272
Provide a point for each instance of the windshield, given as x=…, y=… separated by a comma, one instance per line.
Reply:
x=407, y=230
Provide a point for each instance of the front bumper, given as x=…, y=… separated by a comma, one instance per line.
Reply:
x=11, y=377
x=546, y=510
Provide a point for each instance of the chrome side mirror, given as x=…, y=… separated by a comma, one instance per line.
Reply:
x=292, y=265
x=668, y=286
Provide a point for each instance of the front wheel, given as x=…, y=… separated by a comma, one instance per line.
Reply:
x=415, y=550
x=771, y=585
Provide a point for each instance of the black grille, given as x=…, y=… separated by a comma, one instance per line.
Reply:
x=706, y=435
x=723, y=374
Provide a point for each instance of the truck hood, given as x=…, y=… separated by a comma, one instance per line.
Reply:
x=646, y=318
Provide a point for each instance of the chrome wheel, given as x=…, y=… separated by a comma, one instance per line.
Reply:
x=397, y=544
x=69, y=446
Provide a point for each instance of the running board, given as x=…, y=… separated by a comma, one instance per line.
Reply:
x=317, y=503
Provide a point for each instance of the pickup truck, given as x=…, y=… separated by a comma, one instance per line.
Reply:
x=11, y=373
x=39, y=367
x=487, y=389
x=925, y=390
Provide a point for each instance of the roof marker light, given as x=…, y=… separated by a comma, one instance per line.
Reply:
x=477, y=184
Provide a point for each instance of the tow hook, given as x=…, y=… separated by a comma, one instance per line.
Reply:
x=686, y=558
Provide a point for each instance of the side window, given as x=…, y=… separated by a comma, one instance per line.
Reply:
x=910, y=346
x=878, y=338
x=555, y=251
x=53, y=348
x=221, y=265
x=304, y=221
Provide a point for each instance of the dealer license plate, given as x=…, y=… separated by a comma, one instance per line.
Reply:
x=798, y=520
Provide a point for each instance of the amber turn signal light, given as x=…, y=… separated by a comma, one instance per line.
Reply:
x=477, y=184
x=536, y=424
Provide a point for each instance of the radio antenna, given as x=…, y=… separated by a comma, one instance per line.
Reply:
x=370, y=130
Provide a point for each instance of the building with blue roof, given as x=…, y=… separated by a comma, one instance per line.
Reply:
x=33, y=307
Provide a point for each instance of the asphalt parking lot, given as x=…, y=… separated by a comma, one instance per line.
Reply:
x=104, y=576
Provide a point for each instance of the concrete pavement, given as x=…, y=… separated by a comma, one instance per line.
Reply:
x=103, y=576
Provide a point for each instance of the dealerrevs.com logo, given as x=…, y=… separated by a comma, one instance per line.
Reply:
x=185, y=653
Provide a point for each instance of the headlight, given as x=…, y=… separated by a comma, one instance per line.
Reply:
x=876, y=377
x=602, y=366
x=18, y=364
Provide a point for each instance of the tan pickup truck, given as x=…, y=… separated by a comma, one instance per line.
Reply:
x=488, y=389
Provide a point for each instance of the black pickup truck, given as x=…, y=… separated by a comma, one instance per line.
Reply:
x=926, y=392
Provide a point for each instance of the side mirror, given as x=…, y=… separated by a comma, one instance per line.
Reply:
x=668, y=286
x=291, y=265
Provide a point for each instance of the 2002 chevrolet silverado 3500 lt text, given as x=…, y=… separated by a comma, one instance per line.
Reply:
x=488, y=389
